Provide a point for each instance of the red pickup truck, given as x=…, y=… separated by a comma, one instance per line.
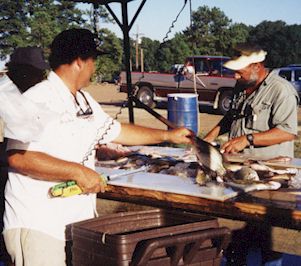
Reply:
x=202, y=74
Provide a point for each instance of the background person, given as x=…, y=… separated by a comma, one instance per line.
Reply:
x=26, y=68
x=35, y=225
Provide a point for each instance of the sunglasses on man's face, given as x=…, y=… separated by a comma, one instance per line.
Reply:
x=81, y=112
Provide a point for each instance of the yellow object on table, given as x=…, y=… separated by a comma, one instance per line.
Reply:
x=70, y=188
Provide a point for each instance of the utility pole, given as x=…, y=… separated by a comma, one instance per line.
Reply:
x=142, y=60
x=137, y=42
x=137, y=50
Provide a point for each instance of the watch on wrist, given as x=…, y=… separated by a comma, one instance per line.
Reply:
x=250, y=139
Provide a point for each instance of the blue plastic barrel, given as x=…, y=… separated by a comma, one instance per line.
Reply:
x=183, y=110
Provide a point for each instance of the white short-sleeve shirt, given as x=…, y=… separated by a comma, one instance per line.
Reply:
x=65, y=136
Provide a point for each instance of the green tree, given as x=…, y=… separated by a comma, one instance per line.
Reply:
x=239, y=33
x=37, y=22
x=149, y=50
x=293, y=48
x=209, y=33
x=13, y=23
x=272, y=37
x=161, y=57
x=109, y=64
x=164, y=57
x=34, y=22
x=179, y=48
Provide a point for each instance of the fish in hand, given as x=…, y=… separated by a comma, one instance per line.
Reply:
x=209, y=157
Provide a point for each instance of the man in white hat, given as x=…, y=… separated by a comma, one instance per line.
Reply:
x=262, y=120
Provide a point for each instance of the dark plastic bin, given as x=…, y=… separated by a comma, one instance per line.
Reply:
x=153, y=237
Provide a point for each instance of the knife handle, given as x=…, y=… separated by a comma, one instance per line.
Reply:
x=70, y=188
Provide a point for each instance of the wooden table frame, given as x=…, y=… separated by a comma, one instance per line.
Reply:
x=244, y=207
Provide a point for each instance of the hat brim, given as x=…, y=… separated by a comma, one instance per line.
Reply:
x=245, y=60
x=41, y=65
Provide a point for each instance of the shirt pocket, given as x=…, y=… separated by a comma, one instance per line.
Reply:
x=259, y=120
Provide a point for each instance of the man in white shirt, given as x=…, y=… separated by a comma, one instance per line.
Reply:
x=35, y=225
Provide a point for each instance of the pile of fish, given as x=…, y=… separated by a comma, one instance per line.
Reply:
x=254, y=174
x=210, y=167
x=163, y=164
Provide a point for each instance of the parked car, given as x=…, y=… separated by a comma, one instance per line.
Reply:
x=204, y=74
x=292, y=73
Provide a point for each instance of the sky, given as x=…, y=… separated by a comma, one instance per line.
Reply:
x=156, y=16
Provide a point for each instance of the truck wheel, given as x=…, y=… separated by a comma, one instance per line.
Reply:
x=146, y=95
x=224, y=102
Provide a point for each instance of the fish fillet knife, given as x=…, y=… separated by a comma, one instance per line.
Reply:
x=70, y=188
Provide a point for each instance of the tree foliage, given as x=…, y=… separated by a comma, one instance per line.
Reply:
x=108, y=65
x=281, y=41
x=150, y=48
x=36, y=22
x=209, y=32
x=213, y=33
x=172, y=52
x=238, y=33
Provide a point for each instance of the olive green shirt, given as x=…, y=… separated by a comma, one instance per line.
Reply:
x=273, y=105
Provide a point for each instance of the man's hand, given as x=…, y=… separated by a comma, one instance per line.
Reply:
x=235, y=145
x=90, y=182
x=42, y=166
x=180, y=136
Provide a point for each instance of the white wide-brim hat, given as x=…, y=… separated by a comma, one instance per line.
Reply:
x=245, y=60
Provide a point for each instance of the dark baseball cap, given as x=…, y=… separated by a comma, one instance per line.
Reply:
x=29, y=56
x=73, y=43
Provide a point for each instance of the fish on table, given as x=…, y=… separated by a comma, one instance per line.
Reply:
x=216, y=169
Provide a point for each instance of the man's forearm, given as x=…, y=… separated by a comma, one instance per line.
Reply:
x=212, y=134
x=272, y=137
x=266, y=138
x=139, y=135
x=42, y=166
